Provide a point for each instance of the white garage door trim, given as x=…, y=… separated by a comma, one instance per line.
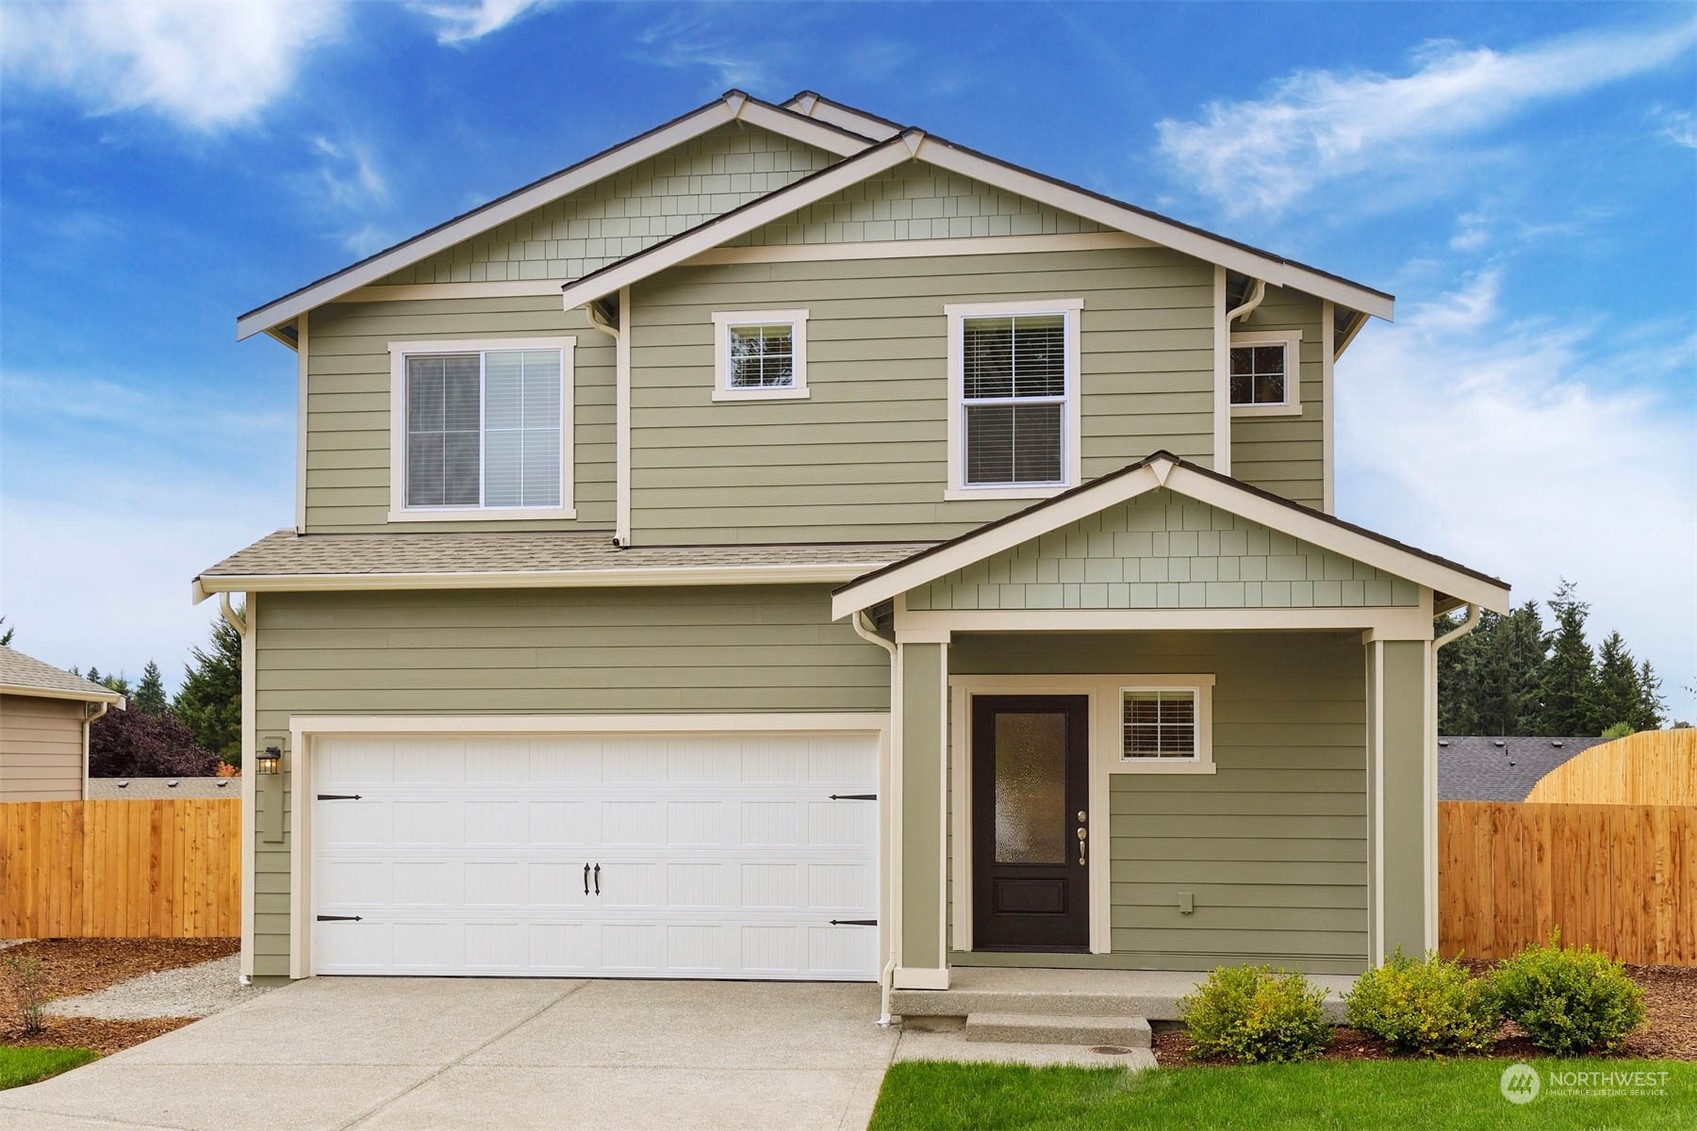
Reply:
x=304, y=729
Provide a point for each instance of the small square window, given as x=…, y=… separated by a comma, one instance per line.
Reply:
x=760, y=355
x=1160, y=724
x=1264, y=373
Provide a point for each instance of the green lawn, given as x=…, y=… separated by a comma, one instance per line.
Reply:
x=1318, y=1096
x=25, y=1066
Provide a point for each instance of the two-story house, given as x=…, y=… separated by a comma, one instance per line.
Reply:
x=792, y=545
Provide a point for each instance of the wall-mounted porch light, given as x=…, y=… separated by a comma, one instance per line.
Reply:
x=271, y=760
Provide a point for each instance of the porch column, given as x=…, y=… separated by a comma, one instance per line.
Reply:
x=921, y=796
x=1401, y=800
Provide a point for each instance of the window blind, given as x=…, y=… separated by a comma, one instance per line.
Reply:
x=762, y=357
x=1014, y=386
x=1160, y=724
x=484, y=430
x=442, y=430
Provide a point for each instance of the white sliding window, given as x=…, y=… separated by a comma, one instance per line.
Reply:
x=481, y=430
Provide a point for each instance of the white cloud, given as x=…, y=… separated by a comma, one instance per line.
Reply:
x=1534, y=451
x=465, y=21
x=203, y=65
x=1316, y=126
x=349, y=175
x=1679, y=127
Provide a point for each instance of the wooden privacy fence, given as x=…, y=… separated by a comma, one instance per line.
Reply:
x=1622, y=878
x=1652, y=767
x=121, y=869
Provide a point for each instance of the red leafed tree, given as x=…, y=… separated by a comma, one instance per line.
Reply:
x=132, y=744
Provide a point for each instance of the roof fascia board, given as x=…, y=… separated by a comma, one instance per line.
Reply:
x=739, y=221
x=1211, y=249
x=735, y=106
x=61, y=693
x=1339, y=539
x=1061, y=511
x=845, y=117
x=800, y=574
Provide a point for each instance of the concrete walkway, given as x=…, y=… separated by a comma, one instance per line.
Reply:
x=474, y=1053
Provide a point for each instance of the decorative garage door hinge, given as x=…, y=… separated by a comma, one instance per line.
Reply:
x=854, y=922
x=338, y=797
x=854, y=797
x=338, y=918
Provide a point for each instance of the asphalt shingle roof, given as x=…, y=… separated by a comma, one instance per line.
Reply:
x=1488, y=768
x=287, y=554
x=26, y=673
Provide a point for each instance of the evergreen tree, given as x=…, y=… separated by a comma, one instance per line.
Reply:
x=1619, y=696
x=116, y=683
x=1650, y=711
x=150, y=692
x=210, y=701
x=1567, y=687
x=93, y=675
x=7, y=634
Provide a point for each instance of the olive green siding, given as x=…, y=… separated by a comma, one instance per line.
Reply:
x=923, y=764
x=1273, y=846
x=534, y=651
x=914, y=202
x=620, y=216
x=347, y=412
x=1285, y=454
x=865, y=456
x=1164, y=551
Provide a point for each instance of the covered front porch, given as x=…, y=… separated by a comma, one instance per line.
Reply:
x=1160, y=723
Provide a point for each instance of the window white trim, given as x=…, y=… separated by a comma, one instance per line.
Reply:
x=398, y=354
x=1072, y=416
x=1202, y=762
x=722, y=323
x=1292, y=341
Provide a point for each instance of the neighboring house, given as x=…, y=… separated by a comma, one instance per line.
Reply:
x=44, y=717
x=1487, y=768
x=790, y=545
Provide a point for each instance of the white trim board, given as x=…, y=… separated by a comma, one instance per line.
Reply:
x=912, y=249
x=733, y=106
x=802, y=574
x=1169, y=471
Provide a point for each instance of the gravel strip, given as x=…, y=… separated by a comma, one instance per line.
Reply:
x=190, y=991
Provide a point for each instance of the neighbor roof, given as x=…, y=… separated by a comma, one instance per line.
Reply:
x=838, y=129
x=26, y=675
x=1486, y=768
x=289, y=561
x=1163, y=469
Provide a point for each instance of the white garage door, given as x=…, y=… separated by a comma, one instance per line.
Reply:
x=712, y=856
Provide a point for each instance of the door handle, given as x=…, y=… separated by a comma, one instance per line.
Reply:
x=1083, y=834
x=597, y=879
x=586, y=879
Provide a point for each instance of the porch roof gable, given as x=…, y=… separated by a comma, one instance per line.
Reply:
x=1181, y=477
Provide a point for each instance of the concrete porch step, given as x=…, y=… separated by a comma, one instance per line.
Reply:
x=1027, y=1003
x=1058, y=1029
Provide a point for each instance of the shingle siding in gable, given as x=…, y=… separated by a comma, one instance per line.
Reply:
x=1163, y=551
x=914, y=202
x=645, y=204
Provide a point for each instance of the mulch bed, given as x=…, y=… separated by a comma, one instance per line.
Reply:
x=1670, y=1000
x=79, y=966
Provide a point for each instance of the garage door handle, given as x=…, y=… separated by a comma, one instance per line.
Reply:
x=854, y=922
x=338, y=918
x=338, y=797
x=854, y=797
x=586, y=879
x=597, y=879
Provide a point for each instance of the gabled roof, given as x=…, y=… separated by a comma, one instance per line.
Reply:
x=945, y=154
x=1163, y=469
x=1483, y=768
x=525, y=559
x=732, y=106
x=26, y=675
x=816, y=105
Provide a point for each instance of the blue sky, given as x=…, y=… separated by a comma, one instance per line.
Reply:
x=1522, y=176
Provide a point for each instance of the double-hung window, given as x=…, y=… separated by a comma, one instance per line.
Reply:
x=1014, y=399
x=1265, y=373
x=481, y=430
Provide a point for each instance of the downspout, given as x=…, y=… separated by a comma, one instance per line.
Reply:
x=864, y=628
x=1429, y=834
x=88, y=721
x=621, y=409
x=1256, y=294
x=1461, y=629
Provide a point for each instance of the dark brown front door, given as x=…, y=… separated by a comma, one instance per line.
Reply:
x=1030, y=803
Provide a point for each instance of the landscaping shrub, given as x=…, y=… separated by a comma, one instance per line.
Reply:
x=28, y=982
x=129, y=744
x=1254, y=1013
x=1427, y=1006
x=1568, y=1001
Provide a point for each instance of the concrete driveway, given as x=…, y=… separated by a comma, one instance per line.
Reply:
x=449, y=1053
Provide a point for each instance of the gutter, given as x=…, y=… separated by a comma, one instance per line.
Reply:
x=863, y=627
x=1256, y=294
